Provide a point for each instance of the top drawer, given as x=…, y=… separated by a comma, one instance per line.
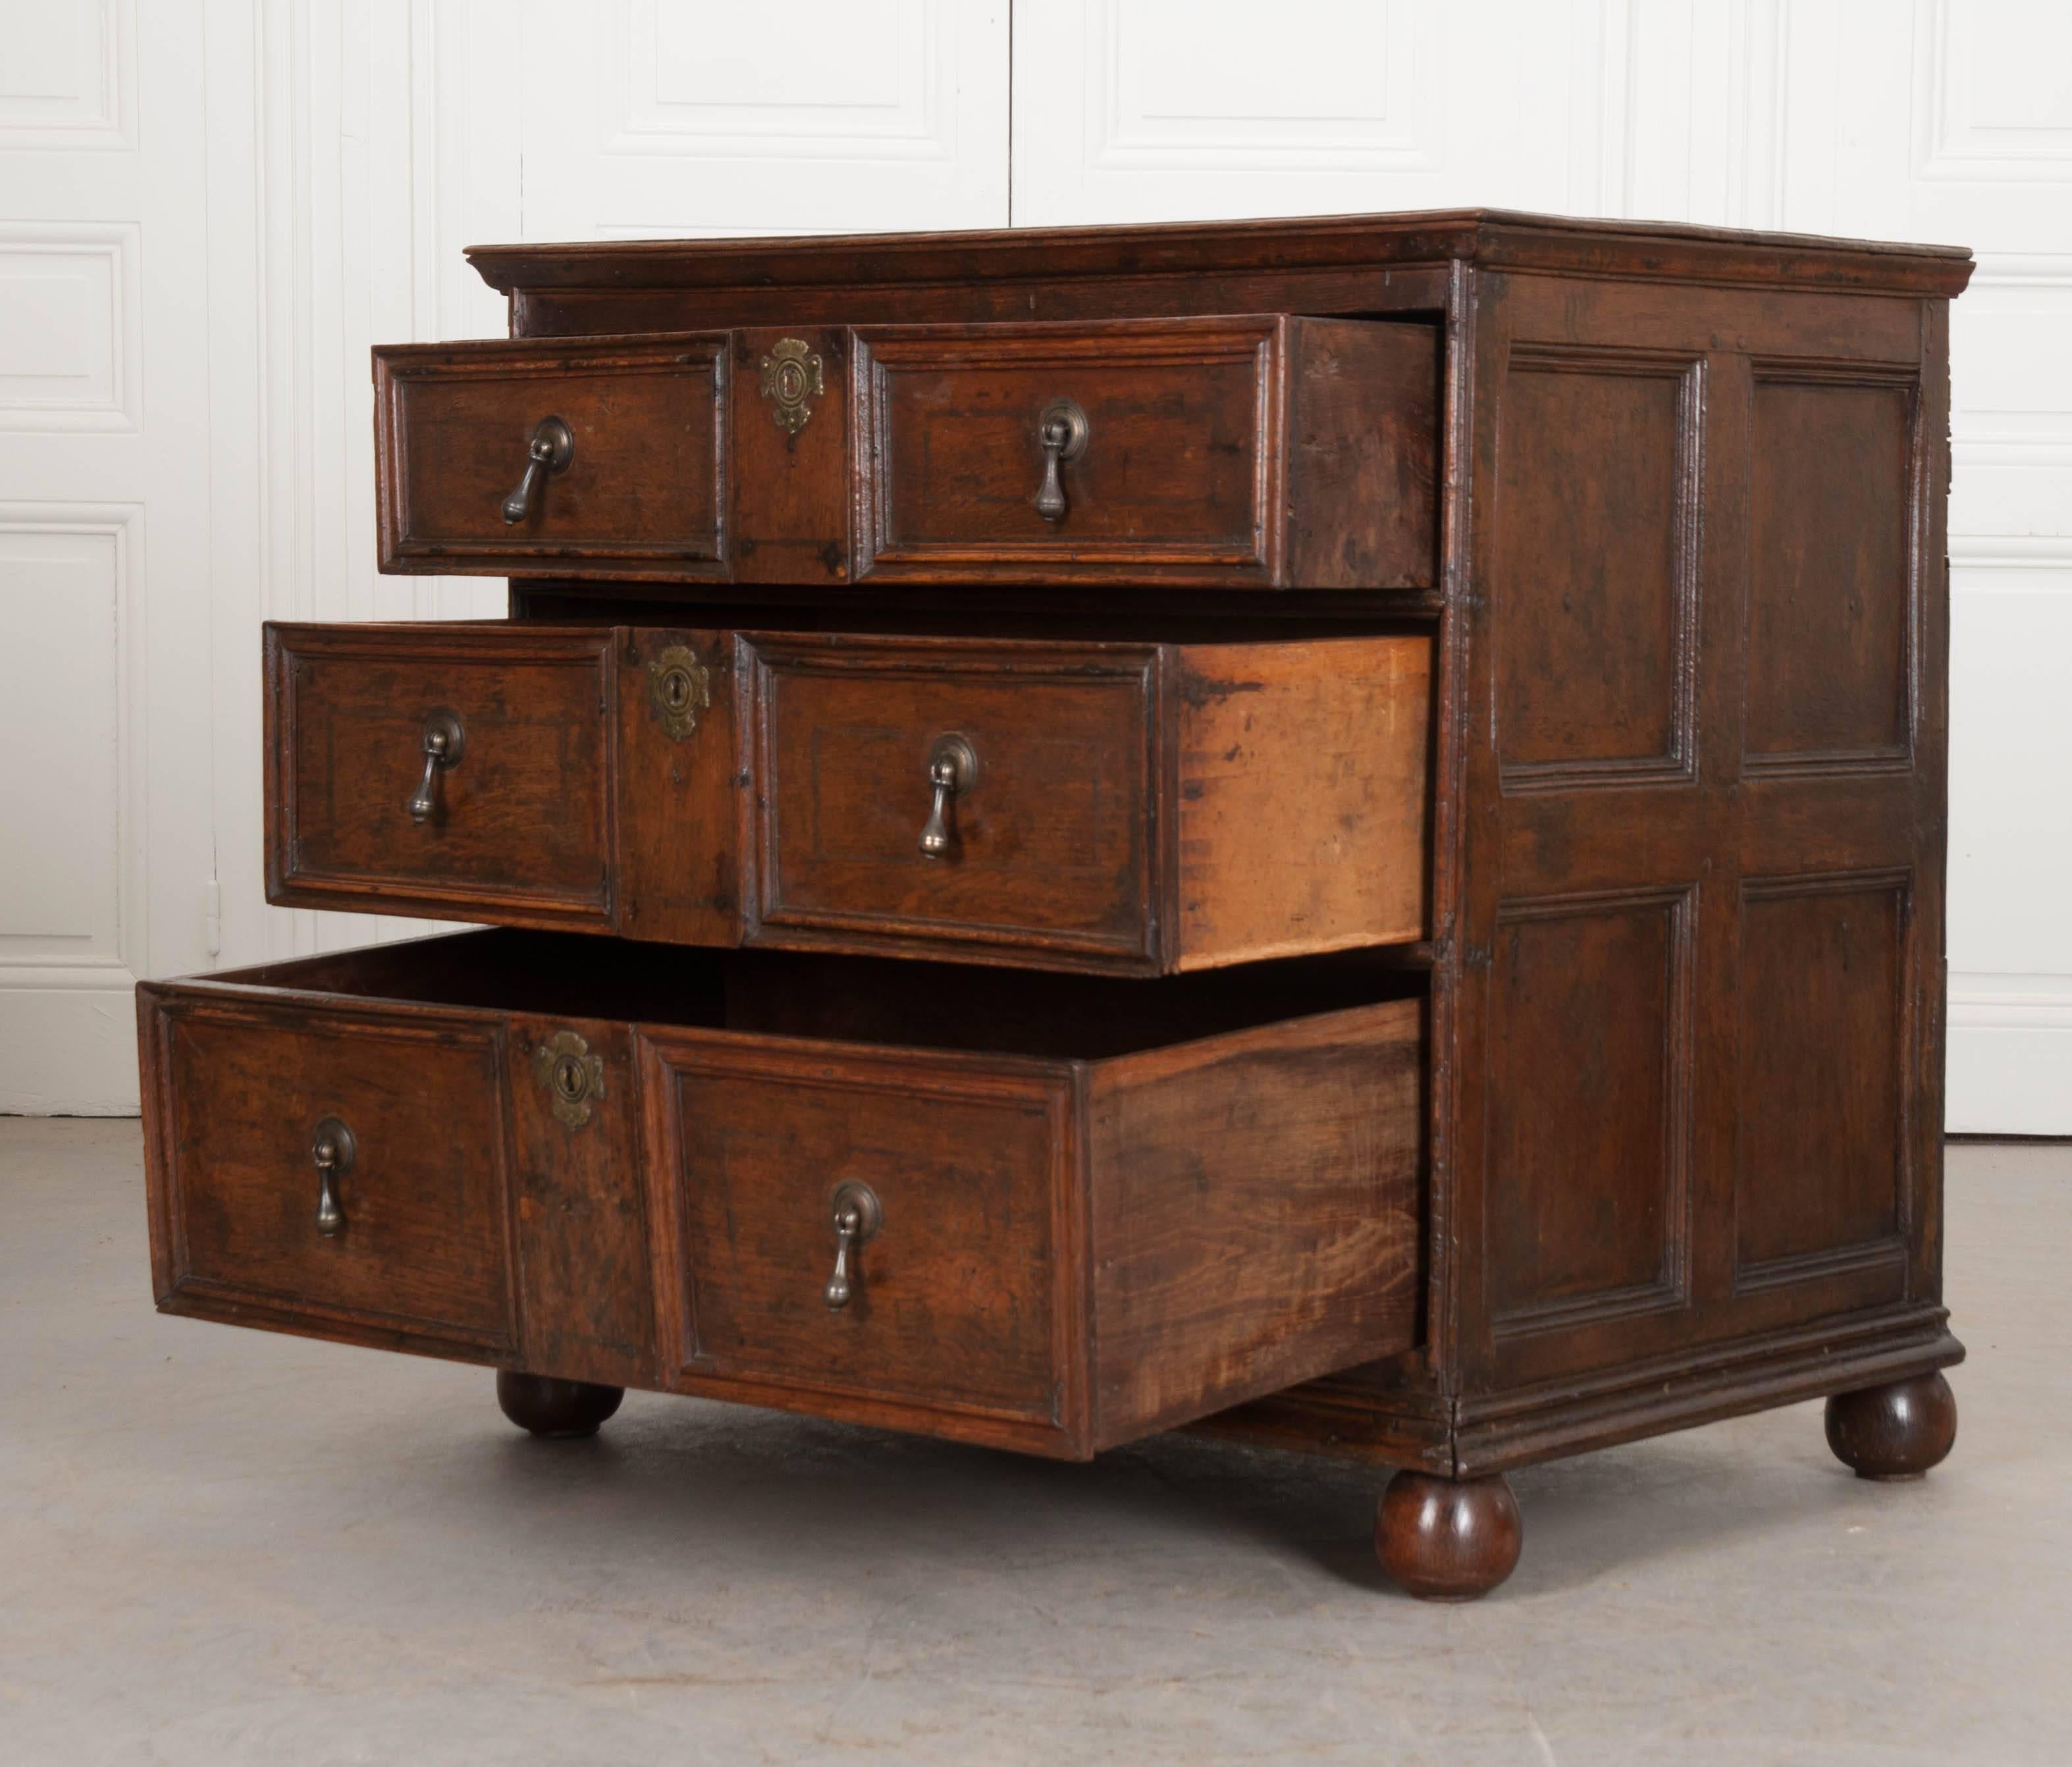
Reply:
x=603, y=458
x=1268, y=451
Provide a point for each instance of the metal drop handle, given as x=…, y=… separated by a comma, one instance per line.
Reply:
x=332, y=1151
x=953, y=770
x=1062, y=431
x=443, y=741
x=857, y=1217
x=552, y=446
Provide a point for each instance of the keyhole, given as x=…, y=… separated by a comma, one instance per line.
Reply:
x=570, y=1080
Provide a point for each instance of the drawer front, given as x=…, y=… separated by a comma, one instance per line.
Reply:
x=1050, y=1214
x=1172, y=471
x=413, y=1245
x=1259, y=451
x=1043, y=844
x=509, y=821
x=961, y=1313
x=630, y=483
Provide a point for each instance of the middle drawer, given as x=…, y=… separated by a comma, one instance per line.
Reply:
x=1128, y=807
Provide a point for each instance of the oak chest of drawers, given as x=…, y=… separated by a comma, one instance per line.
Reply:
x=1327, y=831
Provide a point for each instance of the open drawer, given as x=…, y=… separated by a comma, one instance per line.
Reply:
x=1052, y=1214
x=1129, y=807
x=1261, y=451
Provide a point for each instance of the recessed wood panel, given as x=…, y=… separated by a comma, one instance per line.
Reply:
x=1823, y=1041
x=1595, y=585
x=1588, y=1106
x=1175, y=469
x=1272, y=450
x=642, y=492
x=422, y=1247
x=1829, y=606
x=956, y=1295
x=1051, y=845
x=520, y=824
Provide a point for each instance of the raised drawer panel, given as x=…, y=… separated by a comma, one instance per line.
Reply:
x=241, y=1092
x=962, y=1299
x=1145, y=808
x=641, y=491
x=1267, y=452
x=1050, y=842
x=510, y=821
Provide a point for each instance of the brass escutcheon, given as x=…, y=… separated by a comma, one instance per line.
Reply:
x=572, y=1075
x=792, y=377
x=679, y=687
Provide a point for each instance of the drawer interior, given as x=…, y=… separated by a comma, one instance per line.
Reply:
x=892, y=1002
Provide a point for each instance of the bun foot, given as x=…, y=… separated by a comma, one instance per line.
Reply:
x=1894, y=1432
x=556, y=1410
x=1448, y=1539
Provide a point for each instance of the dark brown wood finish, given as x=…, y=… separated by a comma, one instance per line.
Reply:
x=642, y=496
x=1679, y=794
x=1896, y=1431
x=244, y=1088
x=1042, y=1278
x=1262, y=451
x=1448, y=1539
x=556, y=1410
x=1267, y=451
x=1139, y=808
x=521, y=825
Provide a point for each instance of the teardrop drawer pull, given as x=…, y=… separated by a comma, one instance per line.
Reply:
x=857, y=1217
x=1062, y=430
x=552, y=446
x=952, y=771
x=332, y=1151
x=443, y=741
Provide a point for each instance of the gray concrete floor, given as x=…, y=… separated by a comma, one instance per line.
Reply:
x=224, y=1546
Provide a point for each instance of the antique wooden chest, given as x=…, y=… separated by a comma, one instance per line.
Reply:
x=1331, y=830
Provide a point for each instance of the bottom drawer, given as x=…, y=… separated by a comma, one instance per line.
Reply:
x=1050, y=1213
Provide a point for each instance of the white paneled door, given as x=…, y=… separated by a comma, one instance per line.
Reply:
x=210, y=208
x=104, y=701
x=645, y=118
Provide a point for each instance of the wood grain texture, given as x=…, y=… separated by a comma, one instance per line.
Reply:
x=790, y=488
x=1204, y=435
x=681, y=1235
x=239, y=1086
x=1618, y=250
x=1256, y=1204
x=1687, y=739
x=969, y=1318
x=521, y=826
x=1138, y=807
x=1361, y=443
x=1822, y=1161
x=1301, y=794
x=582, y=1258
x=677, y=872
x=1052, y=847
x=643, y=497
x=1830, y=616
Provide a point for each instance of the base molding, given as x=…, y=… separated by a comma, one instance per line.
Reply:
x=1473, y=1435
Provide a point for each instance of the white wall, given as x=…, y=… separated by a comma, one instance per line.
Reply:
x=210, y=208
